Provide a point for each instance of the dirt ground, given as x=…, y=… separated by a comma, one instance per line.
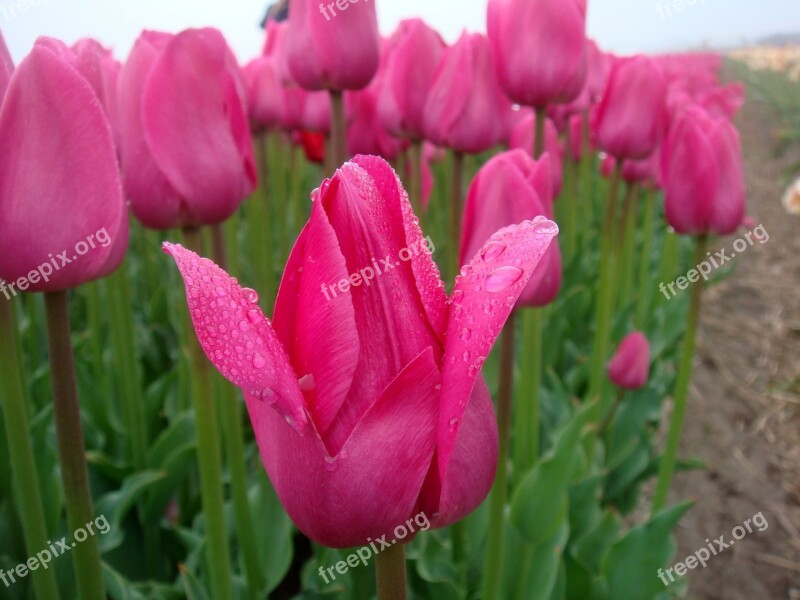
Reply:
x=744, y=408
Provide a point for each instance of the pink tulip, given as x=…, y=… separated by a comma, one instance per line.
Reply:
x=187, y=155
x=523, y=136
x=336, y=52
x=509, y=189
x=63, y=220
x=629, y=369
x=365, y=132
x=539, y=49
x=630, y=120
x=465, y=101
x=275, y=49
x=316, y=112
x=703, y=175
x=413, y=55
x=365, y=390
x=6, y=66
x=265, y=99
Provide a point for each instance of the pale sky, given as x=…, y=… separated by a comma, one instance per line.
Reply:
x=624, y=26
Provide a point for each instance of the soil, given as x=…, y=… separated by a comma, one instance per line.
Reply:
x=744, y=409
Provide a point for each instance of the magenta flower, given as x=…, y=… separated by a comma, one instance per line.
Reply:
x=63, y=220
x=365, y=389
x=338, y=51
x=512, y=188
x=539, y=49
x=187, y=155
x=6, y=66
x=703, y=175
x=629, y=369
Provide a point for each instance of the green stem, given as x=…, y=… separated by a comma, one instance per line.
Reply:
x=538, y=132
x=499, y=495
x=233, y=436
x=669, y=459
x=338, y=130
x=669, y=260
x=645, y=285
x=23, y=464
x=71, y=450
x=415, y=177
x=390, y=572
x=209, y=462
x=456, y=210
x=605, y=291
x=628, y=229
x=528, y=411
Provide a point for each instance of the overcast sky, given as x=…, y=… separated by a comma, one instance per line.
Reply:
x=624, y=26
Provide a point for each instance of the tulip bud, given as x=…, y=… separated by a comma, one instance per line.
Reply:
x=629, y=369
x=187, y=155
x=629, y=122
x=539, y=49
x=523, y=136
x=413, y=55
x=463, y=110
x=330, y=47
x=63, y=221
x=264, y=94
x=703, y=175
x=511, y=188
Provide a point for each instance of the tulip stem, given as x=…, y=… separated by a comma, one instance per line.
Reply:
x=668, y=460
x=456, y=210
x=642, y=309
x=208, y=458
x=233, y=436
x=415, y=176
x=71, y=450
x=604, y=308
x=338, y=130
x=390, y=572
x=526, y=438
x=538, y=132
x=627, y=236
x=23, y=463
x=499, y=495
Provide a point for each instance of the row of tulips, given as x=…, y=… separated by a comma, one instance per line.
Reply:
x=375, y=405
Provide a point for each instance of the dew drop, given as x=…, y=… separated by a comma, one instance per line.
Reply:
x=259, y=361
x=503, y=278
x=251, y=295
x=492, y=251
x=253, y=316
x=453, y=423
x=466, y=356
x=466, y=333
x=457, y=297
x=220, y=292
x=244, y=326
x=465, y=270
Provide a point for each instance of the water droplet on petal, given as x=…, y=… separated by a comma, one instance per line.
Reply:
x=244, y=326
x=259, y=361
x=466, y=355
x=307, y=383
x=466, y=333
x=492, y=250
x=465, y=270
x=220, y=291
x=253, y=316
x=503, y=278
x=457, y=296
x=453, y=424
x=251, y=295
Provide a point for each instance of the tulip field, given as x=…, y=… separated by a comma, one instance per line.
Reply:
x=385, y=317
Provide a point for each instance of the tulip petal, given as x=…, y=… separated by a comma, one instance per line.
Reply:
x=325, y=345
x=236, y=336
x=202, y=146
x=482, y=299
x=372, y=485
x=364, y=210
x=6, y=67
x=474, y=461
x=59, y=179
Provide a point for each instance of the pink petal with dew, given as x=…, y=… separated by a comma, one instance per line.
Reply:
x=237, y=337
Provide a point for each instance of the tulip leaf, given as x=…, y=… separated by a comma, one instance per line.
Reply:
x=119, y=588
x=541, y=499
x=115, y=505
x=590, y=550
x=631, y=567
